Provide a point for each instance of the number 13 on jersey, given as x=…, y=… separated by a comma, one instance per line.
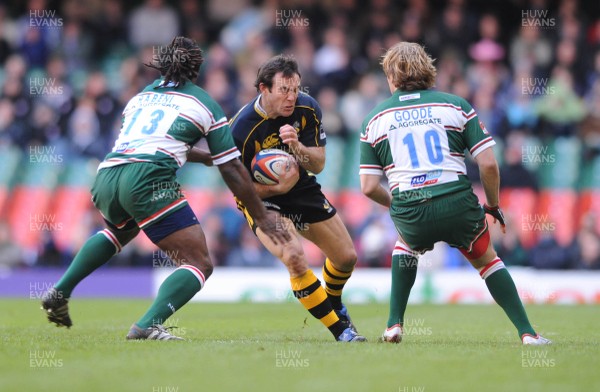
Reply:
x=148, y=121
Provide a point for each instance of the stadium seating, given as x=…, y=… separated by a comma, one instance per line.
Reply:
x=28, y=208
x=559, y=163
x=520, y=204
x=71, y=201
x=556, y=214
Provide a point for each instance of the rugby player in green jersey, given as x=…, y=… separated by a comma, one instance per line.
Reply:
x=418, y=138
x=136, y=188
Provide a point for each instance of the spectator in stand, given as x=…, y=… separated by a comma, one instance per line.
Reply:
x=218, y=86
x=107, y=108
x=560, y=109
x=549, y=254
x=15, y=90
x=84, y=131
x=332, y=60
x=484, y=102
x=10, y=254
x=519, y=109
x=44, y=125
x=589, y=131
x=567, y=57
x=452, y=32
x=375, y=240
x=332, y=120
x=512, y=172
x=37, y=33
x=10, y=130
x=110, y=29
x=251, y=253
x=508, y=246
x=191, y=17
x=449, y=70
x=586, y=245
x=5, y=39
x=153, y=23
x=356, y=104
x=487, y=71
x=251, y=21
x=75, y=47
x=532, y=50
x=62, y=99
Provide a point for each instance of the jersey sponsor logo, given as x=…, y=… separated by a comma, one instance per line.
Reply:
x=327, y=206
x=322, y=132
x=410, y=97
x=415, y=117
x=270, y=141
x=129, y=147
x=428, y=178
x=483, y=128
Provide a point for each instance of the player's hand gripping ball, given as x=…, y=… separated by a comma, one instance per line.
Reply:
x=269, y=164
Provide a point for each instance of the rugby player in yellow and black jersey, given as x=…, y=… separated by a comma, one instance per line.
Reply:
x=284, y=118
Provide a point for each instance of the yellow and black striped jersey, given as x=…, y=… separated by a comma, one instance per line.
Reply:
x=254, y=131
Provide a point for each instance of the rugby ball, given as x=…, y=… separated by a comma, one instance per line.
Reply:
x=268, y=164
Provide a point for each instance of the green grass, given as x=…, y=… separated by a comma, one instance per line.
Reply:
x=233, y=347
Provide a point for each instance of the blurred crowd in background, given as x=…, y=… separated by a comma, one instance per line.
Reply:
x=531, y=69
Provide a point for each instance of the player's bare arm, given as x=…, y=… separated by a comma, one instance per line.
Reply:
x=199, y=155
x=238, y=180
x=490, y=179
x=490, y=176
x=371, y=187
x=310, y=158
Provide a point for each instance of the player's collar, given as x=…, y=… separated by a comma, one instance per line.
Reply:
x=259, y=109
x=162, y=84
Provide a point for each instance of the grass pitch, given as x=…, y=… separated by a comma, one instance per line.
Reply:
x=276, y=347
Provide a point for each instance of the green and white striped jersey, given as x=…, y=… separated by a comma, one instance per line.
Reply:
x=418, y=139
x=162, y=123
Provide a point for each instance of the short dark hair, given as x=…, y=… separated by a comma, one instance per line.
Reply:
x=180, y=61
x=281, y=63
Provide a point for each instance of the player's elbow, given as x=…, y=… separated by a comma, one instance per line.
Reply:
x=318, y=167
x=489, y=167
x=486, y=161
x=368, y=186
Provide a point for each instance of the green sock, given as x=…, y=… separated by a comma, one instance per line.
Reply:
x=96, y=251
x=504, y=292
x=174, y=292
x=404, y=273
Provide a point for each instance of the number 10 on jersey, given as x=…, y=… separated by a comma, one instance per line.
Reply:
x=430, y=140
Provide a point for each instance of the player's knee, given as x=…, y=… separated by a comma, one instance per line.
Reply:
x=346, y=261
x=125, y=236
x=207, y=268
x=201, y=261
x=350, y=259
